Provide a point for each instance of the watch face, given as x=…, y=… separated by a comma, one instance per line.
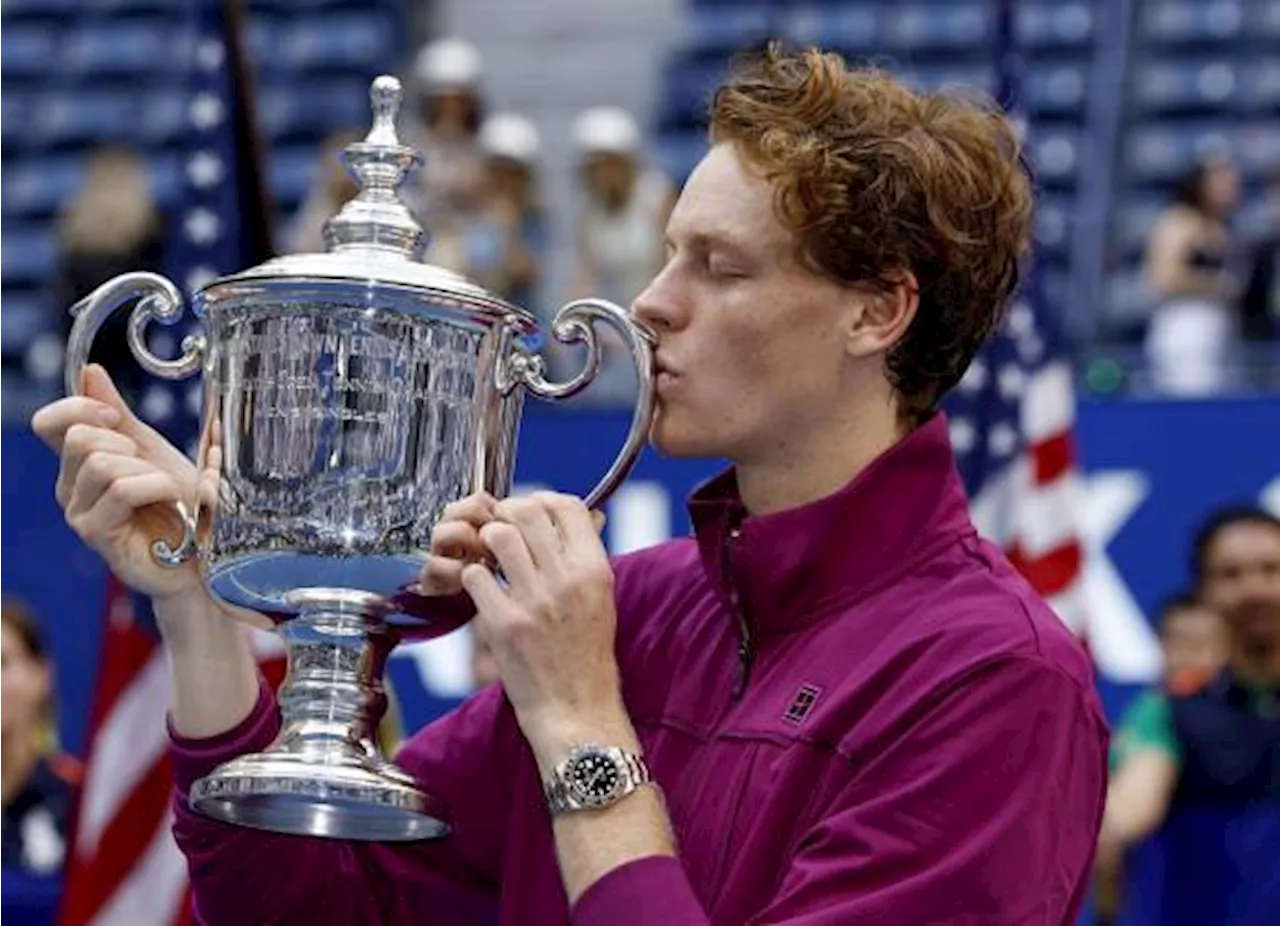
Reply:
x=593, y=778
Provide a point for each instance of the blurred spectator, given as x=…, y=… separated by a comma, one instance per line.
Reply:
x=1260, y=304
x=1191, y=266
x=620, y=230
x=112, y=226
x=1200, y=767
x=38, y=782
x=502, y=239
x=1192, y=641
x=332, y=188
x=445, y=87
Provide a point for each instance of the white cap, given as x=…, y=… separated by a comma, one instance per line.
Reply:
x=606, y=130
x=447, y=65
x=511, y=136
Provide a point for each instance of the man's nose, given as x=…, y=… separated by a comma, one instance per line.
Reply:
x=659, y=305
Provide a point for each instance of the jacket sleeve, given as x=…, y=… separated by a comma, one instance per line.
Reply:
x=244, y=876
x=985, y=811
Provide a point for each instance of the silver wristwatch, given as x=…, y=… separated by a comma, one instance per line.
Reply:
x=594, y=776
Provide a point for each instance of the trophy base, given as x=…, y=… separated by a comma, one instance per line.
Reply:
x=355, y=798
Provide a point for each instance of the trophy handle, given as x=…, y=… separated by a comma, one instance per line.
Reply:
x=159, y=300
x=576, y=323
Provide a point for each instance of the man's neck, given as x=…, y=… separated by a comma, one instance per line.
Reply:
x=791, y=476
x=1257, y=668
x=16, y=762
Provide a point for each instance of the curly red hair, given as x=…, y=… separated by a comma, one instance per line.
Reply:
x=874, y=179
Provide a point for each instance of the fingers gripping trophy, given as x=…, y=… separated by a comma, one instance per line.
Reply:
x=349, y=397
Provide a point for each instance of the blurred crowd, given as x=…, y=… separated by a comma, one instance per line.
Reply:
x=478, y=194
x=1211, y=292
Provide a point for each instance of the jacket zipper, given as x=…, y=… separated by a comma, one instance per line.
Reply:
x=746, y=645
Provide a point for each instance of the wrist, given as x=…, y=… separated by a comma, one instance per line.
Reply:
x=552, y=735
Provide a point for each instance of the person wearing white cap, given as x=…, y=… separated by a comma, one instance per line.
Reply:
x=625, y=205
x=445, y=87
x=501, y=240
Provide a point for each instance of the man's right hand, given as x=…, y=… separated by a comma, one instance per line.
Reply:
x=455, y=543
x=118, y=483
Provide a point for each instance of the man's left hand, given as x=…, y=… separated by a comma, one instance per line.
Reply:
x=551, y=622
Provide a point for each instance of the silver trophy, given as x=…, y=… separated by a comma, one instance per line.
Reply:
x=348, y=397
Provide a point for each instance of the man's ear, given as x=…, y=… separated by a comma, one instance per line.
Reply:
x=882, y=315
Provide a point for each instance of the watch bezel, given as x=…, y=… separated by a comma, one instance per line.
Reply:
x=574, y=787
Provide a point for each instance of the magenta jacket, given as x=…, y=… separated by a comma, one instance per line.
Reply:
x=857, y=710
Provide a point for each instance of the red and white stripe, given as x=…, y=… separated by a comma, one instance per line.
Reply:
x=125, y=869
x=1032, y=508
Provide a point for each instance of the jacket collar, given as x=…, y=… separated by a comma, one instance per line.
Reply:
x=777, y=569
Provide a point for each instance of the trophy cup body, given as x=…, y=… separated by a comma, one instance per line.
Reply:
x=349, y=397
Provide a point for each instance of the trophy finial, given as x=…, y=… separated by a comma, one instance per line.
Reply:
x=377, y=217
x=385, y=95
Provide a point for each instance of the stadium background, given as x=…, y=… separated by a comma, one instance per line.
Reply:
x=1122, y=95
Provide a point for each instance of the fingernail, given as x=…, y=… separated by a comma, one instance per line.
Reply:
x=108, y=415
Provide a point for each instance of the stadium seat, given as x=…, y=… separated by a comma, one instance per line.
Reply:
x=38, y=187
x=1133, y=219
x=311, y=110
x=850, y=29
x=1055, y=154
x=1162, y=152
x=25, y=316
x=1188, y=21
x=27, y=49
x=723, y=30
x=1185, y=86
x=27, y=255
x=16, y=11
x=291, y=172
x=1053, y=224
x=132, y=46
x=14, y=115
x=1056, y=90
x=339, y=42
x=1262, y=22
x=1257, y=149
x=956, y=27
x=1259, y=87
x=1052, y=24
x=162, y=116
x=80, y=117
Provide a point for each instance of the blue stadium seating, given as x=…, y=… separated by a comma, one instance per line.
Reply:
x=1056, y=90
x=128, y=47
x=24, y=318
x=27, y=255
x=1171, y=22
x=922, y=30
x=854, y=30
x=1055, y=24
x=720, y=30
x=1186, y=85
x=26, y=49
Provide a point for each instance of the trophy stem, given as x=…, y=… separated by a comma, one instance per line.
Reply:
x=333, y=696
x=324, y=775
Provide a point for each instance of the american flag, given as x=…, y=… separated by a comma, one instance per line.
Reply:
x=1012, y=417
x=124, y=867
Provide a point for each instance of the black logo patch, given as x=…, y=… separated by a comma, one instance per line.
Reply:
x=802, y=704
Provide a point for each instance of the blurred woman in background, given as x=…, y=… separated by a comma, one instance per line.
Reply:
x=1190, y=265
x=111, y=226
x=38, y=782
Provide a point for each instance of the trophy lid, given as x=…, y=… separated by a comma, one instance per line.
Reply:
x=375, y=238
